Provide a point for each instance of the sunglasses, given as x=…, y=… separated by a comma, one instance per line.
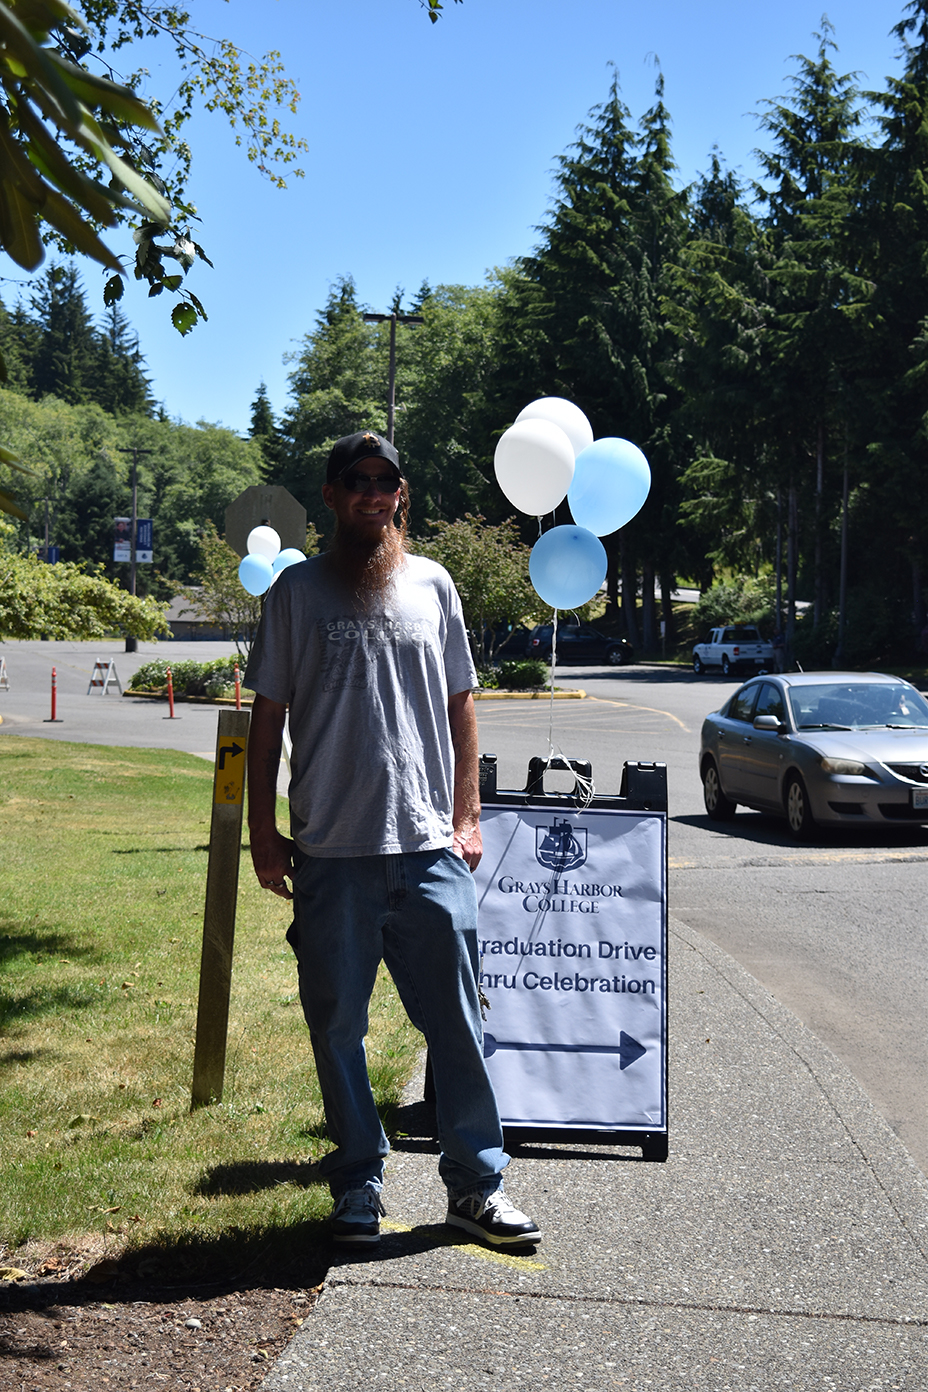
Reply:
x=360, y=483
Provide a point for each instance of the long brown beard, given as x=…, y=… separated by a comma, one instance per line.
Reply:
x=367, y=568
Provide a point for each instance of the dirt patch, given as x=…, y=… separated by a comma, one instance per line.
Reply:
x=72, y=1327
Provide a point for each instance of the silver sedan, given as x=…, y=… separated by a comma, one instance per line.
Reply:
x=828, y=747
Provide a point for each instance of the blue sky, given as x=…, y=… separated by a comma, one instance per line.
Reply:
x=432, y=149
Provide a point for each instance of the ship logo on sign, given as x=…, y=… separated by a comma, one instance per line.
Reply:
x=560, y=846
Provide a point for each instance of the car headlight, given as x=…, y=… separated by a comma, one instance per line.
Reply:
x=844, y=766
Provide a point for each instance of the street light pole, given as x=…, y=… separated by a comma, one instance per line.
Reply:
x=394, y=319
x=135, y=451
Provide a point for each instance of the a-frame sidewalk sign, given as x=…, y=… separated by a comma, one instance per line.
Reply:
x=572, y=936
x=4, y=679
x=104, y=673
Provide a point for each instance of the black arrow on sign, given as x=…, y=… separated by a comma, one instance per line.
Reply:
x=628, y=1049
x=232, y=749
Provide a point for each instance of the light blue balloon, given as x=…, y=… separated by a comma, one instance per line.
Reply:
x=255, y=574
x=567, y=566
x=610, y=484
x=288, y=557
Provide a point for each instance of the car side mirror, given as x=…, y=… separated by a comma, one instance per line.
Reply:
x=770, y=722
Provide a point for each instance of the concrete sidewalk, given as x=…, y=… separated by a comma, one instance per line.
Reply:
x=783, y=1245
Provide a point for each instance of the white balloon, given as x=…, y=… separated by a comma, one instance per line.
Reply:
x=263, y=541
x=534, y=465
x=563, y=413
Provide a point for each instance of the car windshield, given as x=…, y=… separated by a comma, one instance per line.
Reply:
x=857, y=705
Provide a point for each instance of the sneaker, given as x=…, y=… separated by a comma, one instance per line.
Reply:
x=356, y=1215
x=492, y=1217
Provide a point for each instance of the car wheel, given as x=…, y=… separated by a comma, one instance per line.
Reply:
x=719, y=807
x=698, y=667
x=798, y=812
x=615, y=657
x=726, y=665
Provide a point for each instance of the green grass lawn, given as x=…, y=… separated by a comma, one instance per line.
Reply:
x=103, y=856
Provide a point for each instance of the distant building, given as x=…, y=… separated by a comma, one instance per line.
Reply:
x=186, y=622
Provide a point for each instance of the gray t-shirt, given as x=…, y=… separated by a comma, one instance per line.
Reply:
x=372, y=767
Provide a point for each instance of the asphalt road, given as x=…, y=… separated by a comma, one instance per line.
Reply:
x=835, y=928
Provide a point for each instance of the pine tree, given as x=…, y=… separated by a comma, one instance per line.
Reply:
x=895, y=223
x=817, y=296
x=264, y=430
x=339, y=385
x=118, y=382
x=599, y=336
x=63, y=357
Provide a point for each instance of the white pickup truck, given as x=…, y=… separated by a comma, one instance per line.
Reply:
x=733, y=649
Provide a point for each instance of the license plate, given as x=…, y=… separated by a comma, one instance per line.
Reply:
x=920, y=798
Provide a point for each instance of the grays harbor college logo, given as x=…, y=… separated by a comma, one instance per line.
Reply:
x=560, y=846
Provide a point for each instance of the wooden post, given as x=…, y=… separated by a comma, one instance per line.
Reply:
x=225, y=839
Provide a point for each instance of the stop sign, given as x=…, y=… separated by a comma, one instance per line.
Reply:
x=266, y=504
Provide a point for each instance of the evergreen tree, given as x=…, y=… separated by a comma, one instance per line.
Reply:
x=264, y=431
x=62, y=362
x=890, y=498
x=817, y=297
x=599, y=336
x=445, y=368
x=339, y=385
x=118, y=382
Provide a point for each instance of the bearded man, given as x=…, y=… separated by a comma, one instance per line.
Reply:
x=366, y=647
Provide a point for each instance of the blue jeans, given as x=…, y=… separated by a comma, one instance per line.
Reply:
x=418, y=913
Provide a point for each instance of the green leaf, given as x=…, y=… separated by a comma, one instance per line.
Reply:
x=50, y=159
x=113, y=289
x=19, y=230
x=140, y=188
x=196, y=304
x=16, y=167
x=156, y=289
x=8, y=456
x=173, y=282
x=184, y=318
x=38, y=65
x=66, y=219
x=95, y=91
x=7, y=505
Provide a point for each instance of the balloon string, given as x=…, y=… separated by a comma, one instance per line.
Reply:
x=585, y=786
x=551, y=700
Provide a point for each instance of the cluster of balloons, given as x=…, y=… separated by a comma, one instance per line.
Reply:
x=265, y=560
x=549, y=454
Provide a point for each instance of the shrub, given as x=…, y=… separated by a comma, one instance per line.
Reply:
x=747, y=599
x=523, y=674
x=188, y=677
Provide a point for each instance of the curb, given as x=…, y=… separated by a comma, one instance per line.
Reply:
x=187, y=700
x=490, y=695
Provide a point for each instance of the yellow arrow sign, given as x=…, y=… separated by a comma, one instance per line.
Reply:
x=229, y=784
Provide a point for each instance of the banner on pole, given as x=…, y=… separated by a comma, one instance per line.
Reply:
x=122, y=540
x=572, y=940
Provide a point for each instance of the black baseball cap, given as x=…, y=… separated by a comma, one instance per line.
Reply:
x=351, y=449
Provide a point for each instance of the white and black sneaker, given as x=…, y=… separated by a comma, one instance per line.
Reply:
x=493, y=1218
x=356, y=1215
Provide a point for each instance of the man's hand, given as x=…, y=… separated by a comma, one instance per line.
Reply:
x=468, y=844
x=271, y=853
x=272, y=857
x=465, y=816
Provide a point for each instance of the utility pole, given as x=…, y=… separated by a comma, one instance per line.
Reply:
x=135, y=451
x=394, y=318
